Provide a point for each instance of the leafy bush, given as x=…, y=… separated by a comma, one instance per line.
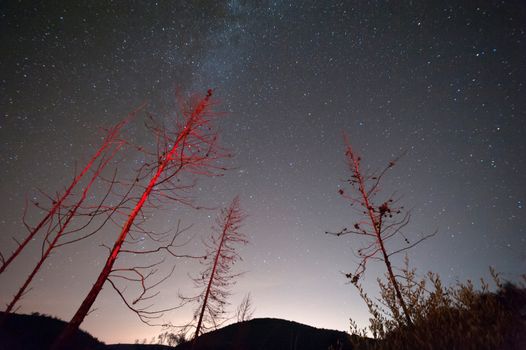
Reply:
x=456, y=317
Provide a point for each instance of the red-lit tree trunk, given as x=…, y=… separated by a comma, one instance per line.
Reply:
x=219, y=272
x=62, y=229
x=214, y=268
x=57, y=204
x=176, y=150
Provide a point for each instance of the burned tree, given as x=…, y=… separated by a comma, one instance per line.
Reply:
x=217, y=276
x=382, y=220
x=57, y=203
x=64, y=216
x=245, y=309
x=145, y=276
x=192, y=148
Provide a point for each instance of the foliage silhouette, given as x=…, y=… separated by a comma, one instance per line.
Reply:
x=245, y=310
x=455, y=317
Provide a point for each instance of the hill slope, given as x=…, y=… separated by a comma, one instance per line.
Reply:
x=29, y=332
x=271, y=334
x=37, y=332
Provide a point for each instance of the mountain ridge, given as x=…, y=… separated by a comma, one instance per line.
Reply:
x=270, y=333
x=36, y=331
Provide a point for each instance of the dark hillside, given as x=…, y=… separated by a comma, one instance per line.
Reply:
x=32, y=332
x=138, y=347
x=270, y=334
x=37, y=332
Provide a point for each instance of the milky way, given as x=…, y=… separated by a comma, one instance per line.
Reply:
x=444, y=82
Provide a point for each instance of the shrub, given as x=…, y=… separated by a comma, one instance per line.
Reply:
x=455, y=317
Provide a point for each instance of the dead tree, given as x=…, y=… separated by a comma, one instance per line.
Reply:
x=57, y=203
x=145, y=278
x=217, y=277
x=61, y=228
x=381, y=221
x=245, y=310
x=191, y=147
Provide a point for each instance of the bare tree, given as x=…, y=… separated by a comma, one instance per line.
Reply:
x=60, y=229
x=144, y=277
x=192, y=147
x=382, y=220
x=171, y=339
x=245, y=310
x=217, y=277
x=57, y=203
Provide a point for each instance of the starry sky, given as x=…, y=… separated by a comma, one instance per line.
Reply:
x=444, y=81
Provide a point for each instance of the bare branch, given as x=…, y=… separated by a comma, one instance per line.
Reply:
x=380, y=223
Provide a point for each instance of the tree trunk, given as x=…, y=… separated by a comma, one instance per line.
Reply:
x=65, y=337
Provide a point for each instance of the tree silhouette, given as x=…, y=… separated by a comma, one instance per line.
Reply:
x=144, y=277
x=192, y=147
x=217, y=276
x=245, y=310
x=381, y=222
x=171, y=339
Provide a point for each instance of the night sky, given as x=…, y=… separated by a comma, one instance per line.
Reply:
x=444, y=81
